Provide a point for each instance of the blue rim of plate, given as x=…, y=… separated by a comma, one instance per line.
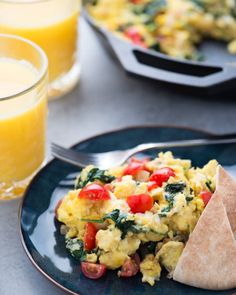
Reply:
x=80, y=144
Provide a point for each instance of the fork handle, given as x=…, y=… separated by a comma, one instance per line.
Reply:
x=184, y=143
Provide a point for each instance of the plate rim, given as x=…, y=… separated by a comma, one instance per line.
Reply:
x=151, y=126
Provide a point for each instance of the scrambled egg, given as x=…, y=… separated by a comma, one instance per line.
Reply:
x=150, y=269
x=144, y=207
x=174, y=27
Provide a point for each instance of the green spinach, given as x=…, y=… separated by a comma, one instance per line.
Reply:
x=189, y=199
x=175, y=188
x=150, y=9
x=147, y=248
x=208, y=185
x=171, y=190
x=94, y=174
x=76, y=249
x=123, y=224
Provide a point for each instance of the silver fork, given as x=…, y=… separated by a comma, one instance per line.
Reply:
x=115, y=158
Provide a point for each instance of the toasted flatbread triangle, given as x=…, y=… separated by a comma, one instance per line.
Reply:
x=226, y=187
x=209, y=257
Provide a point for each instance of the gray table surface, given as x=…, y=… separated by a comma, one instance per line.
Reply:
x=105, y=99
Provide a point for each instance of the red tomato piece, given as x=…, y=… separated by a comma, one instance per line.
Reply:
x=206, y=196
x=151, y=185
x=133, y=34
x=90, y=236
x=92, y=270
x=135, y=1
x=162, y=175
x=140, y=203
x=57, y=207
x=94, y=192
x=130, y=267
x=109, y=187
x=143, y=161
x=133, y=168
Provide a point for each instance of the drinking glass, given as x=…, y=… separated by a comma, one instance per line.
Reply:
x=23, y=112
x=53, y=25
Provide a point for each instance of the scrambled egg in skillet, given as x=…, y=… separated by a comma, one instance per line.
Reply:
x=136, y=217
x=174, y=27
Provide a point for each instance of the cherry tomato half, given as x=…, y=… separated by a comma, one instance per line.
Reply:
x=92, y=270
x=90, y=236
x=140, y=203
x=135, y=1
x=57, y=207
x=133, y=34
x=206, y=196
x=162, y=175
x=135, y=166
x=94, y=192
x=151, y=185
x=130, y=267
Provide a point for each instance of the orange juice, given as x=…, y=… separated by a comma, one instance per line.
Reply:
x=22, y=121
x=22, y=125
x=51, y=24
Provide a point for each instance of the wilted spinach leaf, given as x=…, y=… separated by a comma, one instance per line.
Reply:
x=147, y=248
x=94, y=174
x=76, y=248
x=175, y=188
x=123, y=224
x=208, y=185
x=171, y=190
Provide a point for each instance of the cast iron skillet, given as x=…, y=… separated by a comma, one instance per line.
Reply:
x=218, y=71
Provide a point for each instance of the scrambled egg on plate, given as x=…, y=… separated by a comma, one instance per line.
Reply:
x=136, y=217
x=174, y=27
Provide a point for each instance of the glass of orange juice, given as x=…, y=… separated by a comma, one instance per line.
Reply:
x=53, y=25
x=23, y=112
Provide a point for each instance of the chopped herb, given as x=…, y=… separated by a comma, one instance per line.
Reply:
x=165, y=210
x=175, y=188
x=94, y=174
x=196, y=56
x=123, y=224
x=189, y=199
x=147, y=248
x=91, y=220
x=151, y=26
x=208, y=185
x=199, y=3
x=156, y=47
x=112, y=215
x=92, y=2
x=150, y=9
x=171, y=190
x=154, y=7
x=76, y=248
x=138, y=9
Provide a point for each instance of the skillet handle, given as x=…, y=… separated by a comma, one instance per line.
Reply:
x=159, y=66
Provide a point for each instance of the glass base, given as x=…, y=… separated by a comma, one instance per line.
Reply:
x=13, y=190
x=65, y=83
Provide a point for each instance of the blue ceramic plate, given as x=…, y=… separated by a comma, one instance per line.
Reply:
x=40, y=231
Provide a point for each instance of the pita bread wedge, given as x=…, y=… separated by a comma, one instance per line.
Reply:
x=209, y=257
x=226, y=187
